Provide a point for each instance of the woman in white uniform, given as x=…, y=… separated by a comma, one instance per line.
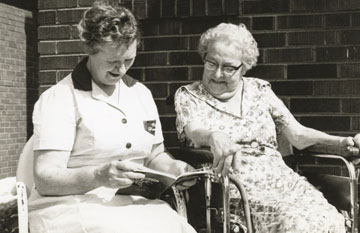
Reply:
x=88, y=127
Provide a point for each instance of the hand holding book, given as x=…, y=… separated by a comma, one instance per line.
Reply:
x=155, y=182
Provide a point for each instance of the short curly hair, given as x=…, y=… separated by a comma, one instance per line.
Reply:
x=238, y=35
x=107, y=21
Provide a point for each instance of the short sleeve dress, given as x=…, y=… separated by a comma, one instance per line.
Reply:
x=280, y=199
x=76, y=115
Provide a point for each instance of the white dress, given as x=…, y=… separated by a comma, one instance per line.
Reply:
x=76, y=115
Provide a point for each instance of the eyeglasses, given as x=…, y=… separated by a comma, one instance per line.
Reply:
x=227, y=71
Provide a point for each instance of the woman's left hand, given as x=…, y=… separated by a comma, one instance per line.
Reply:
x=352, y=144
x=179, y=167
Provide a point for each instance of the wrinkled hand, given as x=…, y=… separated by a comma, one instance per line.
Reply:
x=179, y=167
x=352, y=144
x=118, y=174
x=223, y=149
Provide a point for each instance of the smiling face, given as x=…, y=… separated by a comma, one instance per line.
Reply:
x=111, y=62
x=216, y=83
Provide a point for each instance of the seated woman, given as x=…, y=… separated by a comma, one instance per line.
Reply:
x=88, y=127
x=239, y=119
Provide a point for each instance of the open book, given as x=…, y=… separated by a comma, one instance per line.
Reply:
x=156, y=183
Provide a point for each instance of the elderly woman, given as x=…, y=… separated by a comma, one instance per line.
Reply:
x=239, y=118
x=88, y=127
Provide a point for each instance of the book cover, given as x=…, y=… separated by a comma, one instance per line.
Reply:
x=156, y=183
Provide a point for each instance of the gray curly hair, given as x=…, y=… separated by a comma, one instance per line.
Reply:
x=238, y=35
x=107, y=21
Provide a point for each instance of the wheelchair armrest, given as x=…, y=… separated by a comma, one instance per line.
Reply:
x=196, y=156
x=345, y=151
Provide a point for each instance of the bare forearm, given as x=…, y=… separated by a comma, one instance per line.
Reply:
x=200, y=137
x=305, y=137
x=58, y=181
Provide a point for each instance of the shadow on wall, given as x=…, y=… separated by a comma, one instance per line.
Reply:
x=32, y=61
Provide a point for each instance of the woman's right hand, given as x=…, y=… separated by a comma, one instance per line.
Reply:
x=118, y=174
x=223, y=149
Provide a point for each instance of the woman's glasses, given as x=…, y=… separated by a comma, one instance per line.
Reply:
x=227, y=71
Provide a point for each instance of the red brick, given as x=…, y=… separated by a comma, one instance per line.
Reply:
x=47, y=4
x=196, y=73
x=150, y=59
x=46, y=17
x=268, y=72
x=197, y=26
x=169, y=74
x=173, y=87
x=58, y=32
x=266, y=40
x=311, y=38
x=297, y=88
x=288, y=55
x=231, y=7
x=61, y=62
x=47, y=77
x=47, y=48
x=337, y=20
x=136, y=73
x=349, y=5
x=128, y=4
x=139, y=9
x=356, y=19
x=153, y=8
x=198, y=8
x=170, y=26
x=69, y=47
x=314, y=6
x=168, y=124
x=184, y=58
x=337, y=54
x=171, y=139
x=350, y=36
x=351, y=70
x=158, y=90
x=327, y=123
x=299, y=21
x=263, y=23
x=69, y=16
x=355, y=123
x=193, y=42
x=266, y=6
x=337, y=88
x=214, y=8
x=183, y=8
x=314, y=105
x=313, y=71
x=150, y=27
x=165, y=43
x=351, y=105
x=164, y=108
x=168, y=8
x=61, y=74
x=85, y=2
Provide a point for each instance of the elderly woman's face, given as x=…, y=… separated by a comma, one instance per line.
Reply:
x=220, y=59
x=111, y=62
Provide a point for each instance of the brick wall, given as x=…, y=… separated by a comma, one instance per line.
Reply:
x=310, y=51
x=18, y=58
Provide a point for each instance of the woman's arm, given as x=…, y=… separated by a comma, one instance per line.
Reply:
x=53, y=178
x=302, y=137
x=221, y=146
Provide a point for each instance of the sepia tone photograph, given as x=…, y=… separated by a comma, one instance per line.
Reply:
x=179, y=116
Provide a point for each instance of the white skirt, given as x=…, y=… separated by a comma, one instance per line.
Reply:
x=105, y=213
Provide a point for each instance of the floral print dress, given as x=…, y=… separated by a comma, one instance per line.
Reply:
x=280, y=199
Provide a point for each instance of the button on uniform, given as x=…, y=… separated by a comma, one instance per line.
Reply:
x=124, y=121
x=128, y=145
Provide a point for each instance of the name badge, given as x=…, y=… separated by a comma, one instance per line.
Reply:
x=150, y=126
